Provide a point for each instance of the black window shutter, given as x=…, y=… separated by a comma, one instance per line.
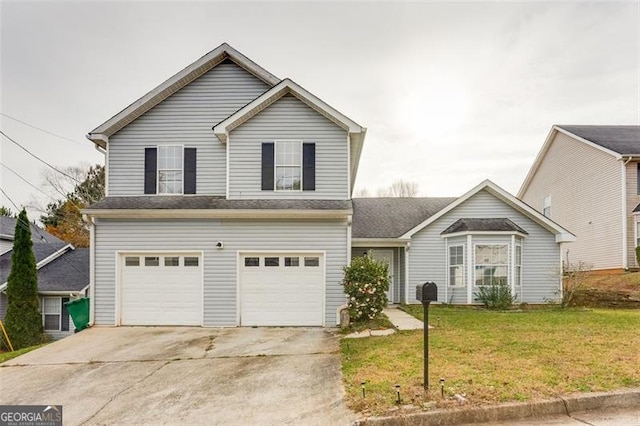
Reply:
x=189, y=170
x=150, y=170
x=308, y=166
x=267, y=166
x=64, y=324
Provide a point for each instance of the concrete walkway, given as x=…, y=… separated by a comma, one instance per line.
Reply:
x=402, y=320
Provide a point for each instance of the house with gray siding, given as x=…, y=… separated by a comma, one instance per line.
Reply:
x=586, y=178
x=63, y=276
x=228, y=203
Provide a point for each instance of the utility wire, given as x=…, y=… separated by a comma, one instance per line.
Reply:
x=9, y=198
x=41, y=129
x=26, y=181
x=38, y=158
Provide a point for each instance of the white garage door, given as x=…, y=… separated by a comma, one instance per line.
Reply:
x=281, y=289
x=161, y=289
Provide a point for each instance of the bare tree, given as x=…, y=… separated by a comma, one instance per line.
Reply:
x=362, y=193
x=400, y=189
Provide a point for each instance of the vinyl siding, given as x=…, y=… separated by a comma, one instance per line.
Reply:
x=541, y=254
x=633, y=199
x=398, y=268
x=586, y=199
x=5, y=246
x=288, y=118
x=220, y=288
x=185, y=118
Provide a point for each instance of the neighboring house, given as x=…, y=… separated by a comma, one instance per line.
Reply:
x=228, y=203
x=63, y=275
x=586, y=178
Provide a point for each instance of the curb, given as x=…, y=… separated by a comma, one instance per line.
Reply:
x=562, y=405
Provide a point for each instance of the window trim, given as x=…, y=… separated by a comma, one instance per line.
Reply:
x=43, y=313
x=181, y=146
x=517, y=273
x=276, y=165
x=463, y=265
x=475, y=263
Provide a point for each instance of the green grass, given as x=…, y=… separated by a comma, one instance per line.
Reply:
x=381, y=322
x=494, y=357
x=6, y=356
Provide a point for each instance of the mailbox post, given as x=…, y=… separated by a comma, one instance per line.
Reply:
x=426, y=293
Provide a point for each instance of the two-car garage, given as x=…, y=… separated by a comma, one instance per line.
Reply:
x=273, y=288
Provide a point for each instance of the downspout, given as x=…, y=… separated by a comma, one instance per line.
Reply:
x=625, y=260
x=92, y=268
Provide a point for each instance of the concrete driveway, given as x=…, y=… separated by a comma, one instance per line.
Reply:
x=185, y=375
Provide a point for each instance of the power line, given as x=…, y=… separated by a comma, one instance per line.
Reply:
x=41, y=129
x=9, y=198
x=38, y=158
x=26, y=181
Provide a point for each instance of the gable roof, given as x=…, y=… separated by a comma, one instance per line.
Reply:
x=100, y=135
x=623, y=140
x=61, y=267
x=483, y=225
x=618, y=141
x=290, y=87
x=562, y=235
x=38, y=235
x=392, y=217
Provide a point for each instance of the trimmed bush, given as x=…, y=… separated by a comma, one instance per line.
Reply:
x=23, y=320
x=495, y=296
x=366, y=282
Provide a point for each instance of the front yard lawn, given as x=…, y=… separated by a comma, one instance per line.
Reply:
x=6, y=356
x=492, y=357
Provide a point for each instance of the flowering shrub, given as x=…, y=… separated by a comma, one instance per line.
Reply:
x=366, y=282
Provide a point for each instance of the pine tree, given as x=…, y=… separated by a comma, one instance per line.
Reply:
x=23, y=320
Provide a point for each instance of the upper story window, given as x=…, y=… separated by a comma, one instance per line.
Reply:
x=288, y=165
x=170, y=170
x=546, y=206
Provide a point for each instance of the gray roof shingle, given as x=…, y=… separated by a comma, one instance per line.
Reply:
x=484, y=224
x=392, y=217
x=624, y=140
x=38, y=235
x=69, y=272
x=212, y=203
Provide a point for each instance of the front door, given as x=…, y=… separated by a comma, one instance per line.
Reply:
x=386, y=256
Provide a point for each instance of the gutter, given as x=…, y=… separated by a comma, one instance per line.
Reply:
x=625, y=238
x=216, y=213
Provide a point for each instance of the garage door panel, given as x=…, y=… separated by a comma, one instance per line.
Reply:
x=161, y=295
x=281, y=295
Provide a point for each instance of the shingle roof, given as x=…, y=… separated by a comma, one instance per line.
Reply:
x=392, y=217
x=484, y=224
x=8, y=227
x=212, y=203
x=69, y=272
x=624, y=140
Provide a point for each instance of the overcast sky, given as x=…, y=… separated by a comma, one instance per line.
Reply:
x=451, y=93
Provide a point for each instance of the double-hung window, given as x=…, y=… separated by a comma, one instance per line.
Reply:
x=456, y=266
x=170, y=165
x=491, y=264
x=518, y=265
x=54, y=314
x=288, y=165
x=170, y=169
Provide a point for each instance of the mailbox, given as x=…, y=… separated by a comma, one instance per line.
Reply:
x=427, y=292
